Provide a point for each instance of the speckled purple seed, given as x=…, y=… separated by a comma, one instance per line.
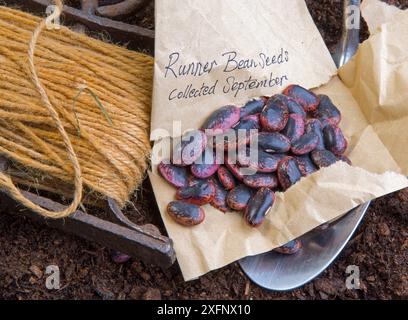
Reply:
x=334, y=139
x=190, y=148
x=222, y=120
x=307, y=99
x=306, y=165
x=291, y=247
x=326, y=110
x=274, y=116
x=253, y=106
x=237, y=198
x=314, y=125
x=220, y=197
x=119, y=257
x=293, y=106
x=265, y=162
x=305, y=144
x=176, y=176
x=261, y=180
x=295, y=127
x=199, y=194
x=226, y=178
x=273, y=142
x=186, y=214
x=258, y=206
x=288, y=172
x=323, y=158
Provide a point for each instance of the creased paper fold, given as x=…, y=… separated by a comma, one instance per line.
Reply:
x=371, y=92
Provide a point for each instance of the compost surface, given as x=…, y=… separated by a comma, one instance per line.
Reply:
x=379, y=247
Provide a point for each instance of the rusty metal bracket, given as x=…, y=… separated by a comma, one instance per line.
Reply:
x=141, y=242
x=135, y=37
x=120, y=8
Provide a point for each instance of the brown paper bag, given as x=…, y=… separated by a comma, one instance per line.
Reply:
x=376, y=13
x=369, y=94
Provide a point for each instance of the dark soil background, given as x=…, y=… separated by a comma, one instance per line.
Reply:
x=379, y=247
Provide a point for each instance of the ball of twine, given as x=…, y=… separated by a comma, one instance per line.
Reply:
x=74, y=112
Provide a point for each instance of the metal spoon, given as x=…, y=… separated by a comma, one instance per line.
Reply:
x=280, y=272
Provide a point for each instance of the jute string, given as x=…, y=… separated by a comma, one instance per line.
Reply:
x=43, y=74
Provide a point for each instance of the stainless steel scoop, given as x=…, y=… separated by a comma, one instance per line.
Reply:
x=280, y=272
